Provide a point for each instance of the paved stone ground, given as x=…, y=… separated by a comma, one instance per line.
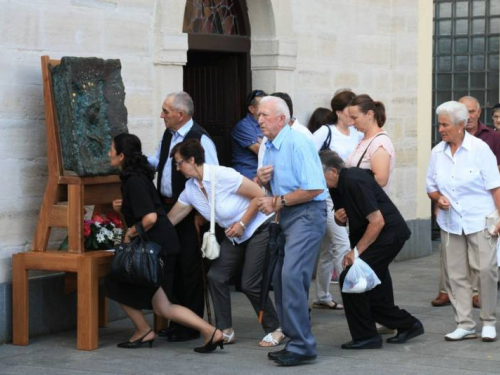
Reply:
x=415, y=285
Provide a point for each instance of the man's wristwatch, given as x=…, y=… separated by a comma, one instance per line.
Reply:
x=283, y=200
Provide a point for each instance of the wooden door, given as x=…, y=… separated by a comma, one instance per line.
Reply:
x=217, y=83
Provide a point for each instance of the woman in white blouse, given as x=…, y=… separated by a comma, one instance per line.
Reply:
x=464, y=181
x=246, y=234
x=342, y=138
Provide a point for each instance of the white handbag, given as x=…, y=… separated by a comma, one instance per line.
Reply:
x=492, y=222
x=210, y=247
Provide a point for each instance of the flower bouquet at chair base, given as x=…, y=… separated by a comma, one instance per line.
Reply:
x=102, y=232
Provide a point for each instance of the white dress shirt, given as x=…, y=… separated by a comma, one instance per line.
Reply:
x=295, y=126
x=466, y=179
x=178, y=137
x=229, y=205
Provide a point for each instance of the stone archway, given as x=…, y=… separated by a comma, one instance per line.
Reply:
x=273, y=46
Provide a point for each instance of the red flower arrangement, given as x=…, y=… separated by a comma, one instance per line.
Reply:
x=102, y=232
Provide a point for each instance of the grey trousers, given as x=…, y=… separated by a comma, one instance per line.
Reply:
x=249, y=256
x=303, y=227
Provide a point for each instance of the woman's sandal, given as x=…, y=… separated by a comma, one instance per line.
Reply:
x=228, y=339
x=326, y=305
x=270, y=341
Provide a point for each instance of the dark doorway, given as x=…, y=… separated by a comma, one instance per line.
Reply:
x=217, y=82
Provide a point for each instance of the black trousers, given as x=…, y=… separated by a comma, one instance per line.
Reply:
x=188, y=284
x=362, y=310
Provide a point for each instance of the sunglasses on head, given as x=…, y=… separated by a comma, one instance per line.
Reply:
x=255, y=94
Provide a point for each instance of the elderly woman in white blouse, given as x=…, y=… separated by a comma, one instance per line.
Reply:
x=246, y=239
x=464, y=181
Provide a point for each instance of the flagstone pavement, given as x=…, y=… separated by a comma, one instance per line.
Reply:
x=415, y=285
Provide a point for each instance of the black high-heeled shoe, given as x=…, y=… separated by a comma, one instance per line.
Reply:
x=137, y=343
x=211, y=345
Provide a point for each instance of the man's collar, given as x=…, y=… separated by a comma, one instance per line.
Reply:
x=252, y=119
x=279, y=138
x=481, y=128
x=184, y=128
x=340, y=182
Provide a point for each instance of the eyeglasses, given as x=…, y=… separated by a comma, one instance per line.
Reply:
x=178, y=163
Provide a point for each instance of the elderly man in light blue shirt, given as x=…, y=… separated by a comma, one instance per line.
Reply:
x=293, y=174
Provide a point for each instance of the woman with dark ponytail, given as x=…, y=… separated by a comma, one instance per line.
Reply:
x=141, y=205
x=375, y=152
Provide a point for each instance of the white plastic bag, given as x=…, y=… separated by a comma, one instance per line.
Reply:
x=360, y=278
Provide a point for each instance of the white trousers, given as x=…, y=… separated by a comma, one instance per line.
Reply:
x=335, y=245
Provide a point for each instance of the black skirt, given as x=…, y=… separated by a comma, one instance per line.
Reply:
x=137, y=296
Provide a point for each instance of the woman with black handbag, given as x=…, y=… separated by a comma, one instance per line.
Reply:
x=143, y=212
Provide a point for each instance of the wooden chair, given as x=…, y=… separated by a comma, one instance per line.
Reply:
x=63, y=207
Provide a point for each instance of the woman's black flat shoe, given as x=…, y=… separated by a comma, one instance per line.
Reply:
x=137, y=343
x=211, y=345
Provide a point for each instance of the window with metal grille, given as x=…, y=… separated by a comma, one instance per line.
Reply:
x=466, y=51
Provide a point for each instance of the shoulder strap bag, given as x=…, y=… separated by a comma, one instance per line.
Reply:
x=139, y=262
x=210, y=247
x=369, y=171
x=328, y=140
x=366, y=149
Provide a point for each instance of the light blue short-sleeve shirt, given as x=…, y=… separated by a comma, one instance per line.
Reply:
x=296, y=164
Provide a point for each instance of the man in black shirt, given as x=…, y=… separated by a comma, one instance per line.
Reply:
x=377, y=232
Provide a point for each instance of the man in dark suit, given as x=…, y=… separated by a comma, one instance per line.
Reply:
x=177, y=113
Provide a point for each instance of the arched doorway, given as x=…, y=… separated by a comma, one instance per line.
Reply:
x=217, y=73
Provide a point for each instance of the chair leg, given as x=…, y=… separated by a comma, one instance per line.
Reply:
x=103, y=309
x=75, y=219
x=20, y=303
x=159, y=323
x=88, y=314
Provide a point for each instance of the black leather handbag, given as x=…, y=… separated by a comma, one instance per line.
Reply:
x=139, y=262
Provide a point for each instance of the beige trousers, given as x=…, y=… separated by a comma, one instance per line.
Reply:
x=442, y=279
x=462, y=256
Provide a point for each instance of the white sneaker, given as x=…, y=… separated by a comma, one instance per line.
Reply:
x=461, y=334
x=489, y=333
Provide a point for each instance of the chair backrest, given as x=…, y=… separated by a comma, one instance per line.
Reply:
x=54, y=153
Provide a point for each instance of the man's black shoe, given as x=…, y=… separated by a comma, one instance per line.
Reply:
x=273, y=355
x=416, y=329
x=371, y=343
x=166, y=332
x=288, y=358
x=183, y=336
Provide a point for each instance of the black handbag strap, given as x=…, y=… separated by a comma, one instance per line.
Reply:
x=366, y=149
x=326, y=143
x=141, y=232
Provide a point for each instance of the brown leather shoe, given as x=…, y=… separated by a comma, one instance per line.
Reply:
x=442, y=299
x=475, y=302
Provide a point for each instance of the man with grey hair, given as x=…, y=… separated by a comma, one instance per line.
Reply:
x=177, y=113
x=475, y=127
x=464, y=182
x=292, y=173
x=377, y=233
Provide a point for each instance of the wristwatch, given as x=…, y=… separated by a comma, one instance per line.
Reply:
x=283, y=200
